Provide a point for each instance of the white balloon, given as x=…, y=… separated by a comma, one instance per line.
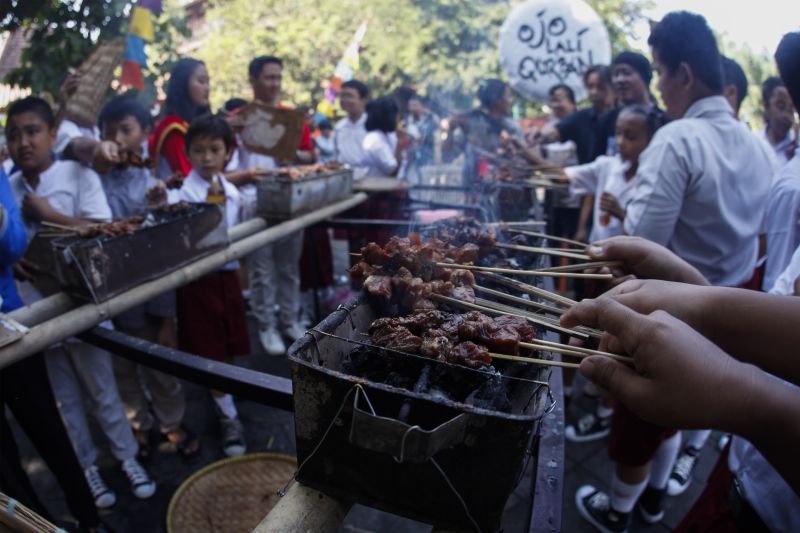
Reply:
x=547, y=42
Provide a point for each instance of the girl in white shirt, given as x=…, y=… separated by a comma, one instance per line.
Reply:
x=612, y=179
x=384, y=145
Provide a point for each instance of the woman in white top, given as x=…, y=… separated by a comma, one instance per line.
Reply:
x=611, y=179
x=384, y=146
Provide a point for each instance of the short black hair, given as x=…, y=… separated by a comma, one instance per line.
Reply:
x=325, y=124
x=490, y=92
x=683, y=37
x=125, y=106
x=653, y=117
x=603, y=71
x=178, y=100
x=233, y=104
x=787, y=57
x=257, y=64
x=732, y=74
x=768, y=87
x=32, y=104
x=562, y=87
x=359, y=86
x=382, y=115
x=212, y=126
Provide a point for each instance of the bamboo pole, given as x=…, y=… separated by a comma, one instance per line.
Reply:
x=89, y=315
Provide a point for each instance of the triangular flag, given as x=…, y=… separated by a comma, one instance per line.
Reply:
x=132, y=75
x=142, y=23
x=135, y=50
x=152, y=5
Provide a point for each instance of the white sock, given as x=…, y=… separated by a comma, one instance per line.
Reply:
x=623, y=495
x=603, y=411
x=696, y=439
x=663, y=461
x=226, y=405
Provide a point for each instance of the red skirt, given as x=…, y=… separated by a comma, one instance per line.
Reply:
x=211, y=317
x=632, y=441
x=316, y=261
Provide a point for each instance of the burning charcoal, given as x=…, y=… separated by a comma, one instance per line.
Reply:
x=492, y=394
x=436, y=346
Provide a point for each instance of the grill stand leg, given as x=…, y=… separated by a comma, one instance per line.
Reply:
x=304, y=509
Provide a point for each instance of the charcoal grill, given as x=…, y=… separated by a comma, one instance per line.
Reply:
x=100, y=268
x=409, y=450
x=282, y=197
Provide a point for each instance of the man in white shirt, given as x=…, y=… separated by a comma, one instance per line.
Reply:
x=779, y=118
x=701, y=193
x=349, y=133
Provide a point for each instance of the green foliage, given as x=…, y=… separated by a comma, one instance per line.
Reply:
x=757, y=67
x=441, y=47
x=66, y=31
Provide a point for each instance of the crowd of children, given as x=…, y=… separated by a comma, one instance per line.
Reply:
x=691, y=179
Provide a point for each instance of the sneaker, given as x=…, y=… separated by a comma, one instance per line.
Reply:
x=651, y=505
x=143, y=487
x=271, y=341
x=294, y=331
x=232, y=437
x=681, y=476
x=723, y=441
x=103, y=496
x=589, y=427
x=595, y=506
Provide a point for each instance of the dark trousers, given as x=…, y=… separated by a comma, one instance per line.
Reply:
x=25, y=388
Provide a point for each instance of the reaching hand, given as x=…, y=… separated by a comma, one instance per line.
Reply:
x=105, y=156
x=681, y=378
x=610, y=204
x=37, y=208
x=25, y=270
x=69, y=87
x=643, y=259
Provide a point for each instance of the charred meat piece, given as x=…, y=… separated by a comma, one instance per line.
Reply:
x=361, y=271
x=469, y=354
x=467, y=253
x=379, y=286
x=462, y=277
x=397, y=338
x=436, y=345
x=374, y=255
x=526, y=331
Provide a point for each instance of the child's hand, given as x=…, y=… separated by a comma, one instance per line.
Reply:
x=175, y=181
x=69, y=86
x=38, y=208
x=105, y=156
x=609, y=203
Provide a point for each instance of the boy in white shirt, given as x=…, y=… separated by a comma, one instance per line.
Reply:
x=211, y=310
x=65, y=192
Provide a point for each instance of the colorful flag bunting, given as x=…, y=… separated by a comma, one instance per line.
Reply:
x=152, y=5
x=135, y=50
x=132, y=75
x=345, y=70
x=142, y=23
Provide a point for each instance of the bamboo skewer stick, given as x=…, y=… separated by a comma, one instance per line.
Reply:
x=566, y=349
x=528, y=289
x=535, y=320
x=583, y=266
x=517, y=299
x=531, y=360
x=63, y=227
x=516, y=272
x=516, y=223
x=546, y=251
x=549, y=322
x=548, y=237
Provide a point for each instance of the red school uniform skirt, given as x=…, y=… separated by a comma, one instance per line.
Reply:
x=211, y=317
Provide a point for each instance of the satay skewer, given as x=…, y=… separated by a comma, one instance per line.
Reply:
x=549, y=322
x=62, y=227
x=516, y=272
x=548, y=237
x=539, y=250
x=528, y=289
x=530, y=318
x=583, y=266
x=515, y=223
x=566, y=349
x=516, y=299
x=532, y=360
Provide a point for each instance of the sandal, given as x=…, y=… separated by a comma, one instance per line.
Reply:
x=188, y=447
x=143, y=440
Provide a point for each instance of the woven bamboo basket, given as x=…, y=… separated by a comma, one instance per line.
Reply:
x=17, y=518
x=231, y=496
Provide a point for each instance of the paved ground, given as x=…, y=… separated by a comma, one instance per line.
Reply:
x=273, y=430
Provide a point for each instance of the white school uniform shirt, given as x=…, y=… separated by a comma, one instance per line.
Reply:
x=766, y=491
x=379, y=158
x=701, y=192
x=782, y=221
x=68, y=130
x=348, y=141
x=781, y=148
x=604, y=174
x=195, y=190
x=246, y=159
x=73, y=190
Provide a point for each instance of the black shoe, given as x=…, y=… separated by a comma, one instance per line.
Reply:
x=651, y=505
x=595, y=506
x=681, y=475
x=589, y=427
